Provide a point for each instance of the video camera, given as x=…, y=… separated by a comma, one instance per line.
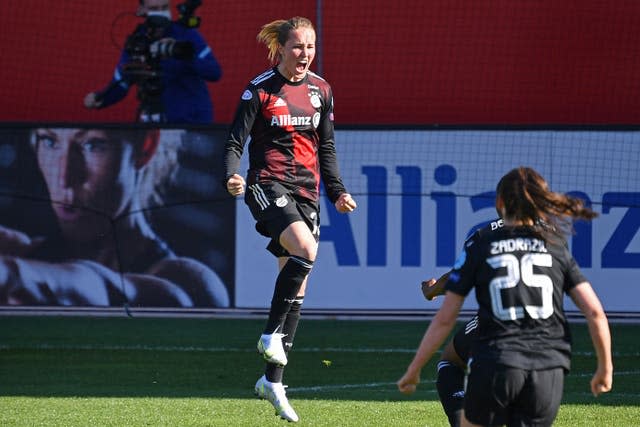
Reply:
x=147, y=45
x=186, y=13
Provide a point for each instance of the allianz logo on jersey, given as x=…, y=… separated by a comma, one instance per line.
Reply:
x=284, y=120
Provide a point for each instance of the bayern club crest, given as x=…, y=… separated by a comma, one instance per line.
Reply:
x=315, y=101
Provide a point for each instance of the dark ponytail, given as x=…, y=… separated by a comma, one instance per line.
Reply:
x=527, y=198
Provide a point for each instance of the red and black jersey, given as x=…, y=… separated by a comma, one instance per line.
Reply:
x=292, y=137
x=520, y=279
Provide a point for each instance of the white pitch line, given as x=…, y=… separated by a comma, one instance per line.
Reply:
x=615, y=373
x=136, y=347
x=338, y=387
x=331, y=387
x=303, y=349
x=346, y=386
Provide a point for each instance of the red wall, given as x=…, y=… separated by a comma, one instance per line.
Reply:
x=412, y=62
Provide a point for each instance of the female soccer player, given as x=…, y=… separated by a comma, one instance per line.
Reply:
x=522, y=348
x=288, y=112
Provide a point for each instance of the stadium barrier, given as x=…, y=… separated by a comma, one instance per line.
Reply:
x=420, y=192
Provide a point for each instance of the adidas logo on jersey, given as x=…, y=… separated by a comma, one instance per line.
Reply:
x=279, y=103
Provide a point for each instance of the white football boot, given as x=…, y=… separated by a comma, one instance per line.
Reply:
x=275, y=393
x=271, y=348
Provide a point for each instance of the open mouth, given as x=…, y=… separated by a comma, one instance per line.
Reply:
x=301, y=66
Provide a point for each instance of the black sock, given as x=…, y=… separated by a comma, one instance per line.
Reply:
x=287, y=286
x=273, y=372
x=291, y=323
x=450, y=385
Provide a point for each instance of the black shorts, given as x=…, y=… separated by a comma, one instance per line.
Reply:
x=464, y=337
x=274, y=207
x=498, y=394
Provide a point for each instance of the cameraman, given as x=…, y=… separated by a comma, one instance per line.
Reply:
x=171, y=79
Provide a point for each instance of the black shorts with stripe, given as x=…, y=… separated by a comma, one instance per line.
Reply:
x=275, y=207
x=464, y=337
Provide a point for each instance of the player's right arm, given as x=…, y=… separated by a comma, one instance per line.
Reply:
x=438, y=330
x=241, y=126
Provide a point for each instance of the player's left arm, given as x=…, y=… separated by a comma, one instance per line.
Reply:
x=329, y=170
x=345, y=203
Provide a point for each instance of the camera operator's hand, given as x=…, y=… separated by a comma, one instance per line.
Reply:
x=162, y=48
x=170, y=48
x=91, y=100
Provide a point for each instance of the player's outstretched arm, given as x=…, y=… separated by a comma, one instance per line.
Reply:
x=432, y=288
x=438, y=330
x=587, y=301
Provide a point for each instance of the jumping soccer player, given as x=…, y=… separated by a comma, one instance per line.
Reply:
x=288, y=111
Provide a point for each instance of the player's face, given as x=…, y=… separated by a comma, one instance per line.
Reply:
x=85, y=172
x=297, y=53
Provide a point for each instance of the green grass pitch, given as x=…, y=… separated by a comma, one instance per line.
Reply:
x=116, y=371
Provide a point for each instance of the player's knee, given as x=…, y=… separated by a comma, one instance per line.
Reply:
x=303, y=264
x=299, y=241
x=306, y=249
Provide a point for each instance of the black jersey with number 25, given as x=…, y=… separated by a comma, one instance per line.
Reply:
x=520, y=280
x=292, y=135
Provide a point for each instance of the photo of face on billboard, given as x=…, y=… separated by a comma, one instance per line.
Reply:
x=118, y=210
